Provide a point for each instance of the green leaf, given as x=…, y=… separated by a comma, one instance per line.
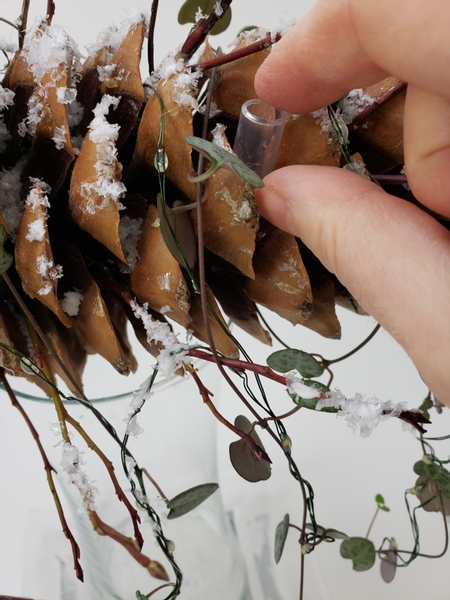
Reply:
x=190, y=499
x=425, y=407
x=328, y=533
x=429, y=498
x=310, y=403
x=140, y=596
x=435, y=473
x=6, y=260
x=189, y=10
x=379, y=499
x=280, y=537
x=360, y=551
x=289, y=359
x=219, y=158
x=385, y=508
x=243, y=459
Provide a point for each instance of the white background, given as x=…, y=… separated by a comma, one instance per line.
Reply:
x=346, y=471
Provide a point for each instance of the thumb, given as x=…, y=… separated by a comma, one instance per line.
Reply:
x=392, y=256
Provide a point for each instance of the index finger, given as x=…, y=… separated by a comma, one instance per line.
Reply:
x=345, y=44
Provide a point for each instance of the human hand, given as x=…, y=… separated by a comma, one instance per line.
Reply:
x=392, y=256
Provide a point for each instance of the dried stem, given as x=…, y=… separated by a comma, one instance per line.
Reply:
x=359, y=119
x=198, y=33
x=151, y=37
x=239, y=365
x=206, y=395
x=110, y=468
x=232, y=56
x=50, y=11
x=391, y=179
x=49, y=471
x=153, y=567
x=161, y=493
x=372, y=522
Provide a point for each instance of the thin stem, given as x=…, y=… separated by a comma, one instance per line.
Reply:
x=295, y=527
x=372, y=522
x=50, y=11
x=198, y=33
x=283, y=416
x=110, y=468
x=327, y=363
x=157, y=589
x=161, y=493
x=391, y=179
x=239, y=365
x=396, y=89
x=15, y=27
x=23, y=22
x=151, y=37
x=270, y=330
x=49, y=470
x=236, y=54
x=206, y=395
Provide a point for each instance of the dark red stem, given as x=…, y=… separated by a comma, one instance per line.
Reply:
x=395, y=89
x=232, y=56
x=239, y=365
x=206, y=395
x=201, y=29
x=391, y=179
x=50, y=11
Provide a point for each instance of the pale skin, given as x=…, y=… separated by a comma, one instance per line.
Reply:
x=391, y=255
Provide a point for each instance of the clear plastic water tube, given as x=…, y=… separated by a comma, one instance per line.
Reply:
x=258, y=135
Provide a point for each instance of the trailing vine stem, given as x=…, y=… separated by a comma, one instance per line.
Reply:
x=200, y=30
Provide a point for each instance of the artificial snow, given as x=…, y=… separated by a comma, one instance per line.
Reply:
x=71, y=303
x=129, y=234
x=174, y=352
x=295, y=384
x=362, y=414
x=353, y=104
x=36, y=231
x=70, y=463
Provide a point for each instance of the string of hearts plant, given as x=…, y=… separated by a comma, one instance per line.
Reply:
x=122, y=201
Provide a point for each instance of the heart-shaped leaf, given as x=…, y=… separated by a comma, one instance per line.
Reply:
x=328, y=533
x=140, y=596
x=280, y=537
x=360, y=551
x=289, y=359
x=219, y=158
x=242, y=457
x=388, y=565
x=189, y=10
x=435, y=473
x=429, y=498
x=6, y=260
x=311, y=403
x=190, y=499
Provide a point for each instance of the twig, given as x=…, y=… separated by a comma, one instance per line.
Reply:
x=151, y=37
x=359, y=119
x=23, y=22
x=239, y=365
x=161, y=493
x=198, y=33
x=50, y=11
x=391, y=179
x=110, y=468
x=49, y=470
x=232, y=56
x=206, y=395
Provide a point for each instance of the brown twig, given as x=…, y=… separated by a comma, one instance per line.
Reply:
x=232, y=56
x=151, y=37
x=198, y=33
x=239, y=365
x=110, y=468
x=49, y=470
x=206, y=395
x=23, y=22
x=359, y=119
x=154, y=483
x=50, y=11
x=153, y=567
x=391, y=179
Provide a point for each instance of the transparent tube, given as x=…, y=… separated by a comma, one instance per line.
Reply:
x=258, y=135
